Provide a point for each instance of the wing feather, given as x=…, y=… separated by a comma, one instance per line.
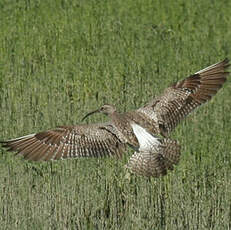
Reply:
x=66, y=142
x=183, y=97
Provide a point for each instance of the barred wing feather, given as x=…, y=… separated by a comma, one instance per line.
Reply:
x=67, y=142
x=183, y=97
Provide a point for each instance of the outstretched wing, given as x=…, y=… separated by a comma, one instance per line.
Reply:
x=155, y=156
x=66, y=142
x=183, y=97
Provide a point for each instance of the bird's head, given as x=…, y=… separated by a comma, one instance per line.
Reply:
x=105, y=109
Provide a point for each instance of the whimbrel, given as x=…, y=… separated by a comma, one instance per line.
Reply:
x=146, y=129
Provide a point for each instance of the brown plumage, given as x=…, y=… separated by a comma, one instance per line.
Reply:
x=147, y=163
x=178, y=100
x=153, y=156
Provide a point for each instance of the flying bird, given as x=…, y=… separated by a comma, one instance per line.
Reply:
x=146, y=129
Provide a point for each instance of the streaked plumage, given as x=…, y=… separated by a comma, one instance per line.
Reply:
x=155, y=156
x=141, y=129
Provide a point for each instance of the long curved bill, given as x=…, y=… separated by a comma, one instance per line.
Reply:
x=95, y=111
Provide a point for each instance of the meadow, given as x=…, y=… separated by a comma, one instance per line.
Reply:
x=60, y=59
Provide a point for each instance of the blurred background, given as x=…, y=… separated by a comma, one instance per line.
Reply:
x=60, y=59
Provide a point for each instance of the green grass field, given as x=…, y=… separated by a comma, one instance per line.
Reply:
x=61, y=59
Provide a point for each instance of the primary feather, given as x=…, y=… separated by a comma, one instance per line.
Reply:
x=153, y=156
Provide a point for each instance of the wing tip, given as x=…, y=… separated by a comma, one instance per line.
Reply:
x=222, y=64
x=18, y=138
x=9, y=143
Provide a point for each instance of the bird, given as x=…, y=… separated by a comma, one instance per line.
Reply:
x=146, y=130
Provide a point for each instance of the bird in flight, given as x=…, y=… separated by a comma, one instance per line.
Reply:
x=146, y=129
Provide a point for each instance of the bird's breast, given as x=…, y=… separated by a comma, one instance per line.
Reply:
x=122, y=123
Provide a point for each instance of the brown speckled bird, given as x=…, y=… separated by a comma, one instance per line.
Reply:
x=140, y=129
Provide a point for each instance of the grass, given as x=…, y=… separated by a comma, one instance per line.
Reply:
x=60, y=59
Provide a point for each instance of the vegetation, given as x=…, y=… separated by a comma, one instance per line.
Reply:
x=59, y=59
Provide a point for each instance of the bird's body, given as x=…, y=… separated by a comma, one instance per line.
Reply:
x=146, y=129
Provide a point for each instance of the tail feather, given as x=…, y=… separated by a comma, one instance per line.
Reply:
x=157, y=162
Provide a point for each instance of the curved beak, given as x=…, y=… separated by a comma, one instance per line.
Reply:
x=95, y=111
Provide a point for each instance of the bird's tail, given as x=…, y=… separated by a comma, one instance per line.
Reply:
x=155, y=163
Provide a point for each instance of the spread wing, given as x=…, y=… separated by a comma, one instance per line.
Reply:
x=93, y=140
x=155, y=156
x=183, y=97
